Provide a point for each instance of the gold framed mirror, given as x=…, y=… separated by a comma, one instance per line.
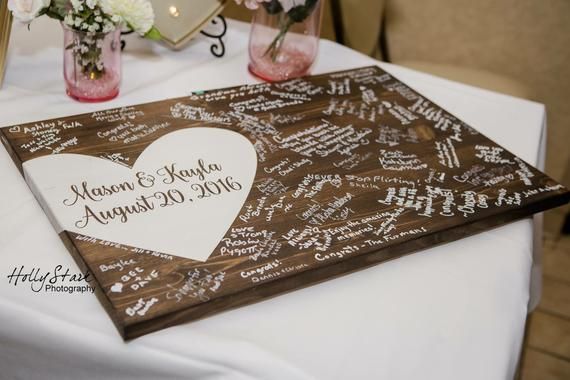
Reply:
x=180, y=20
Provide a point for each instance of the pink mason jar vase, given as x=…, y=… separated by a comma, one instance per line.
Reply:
x=92, y=64
x=281, y=48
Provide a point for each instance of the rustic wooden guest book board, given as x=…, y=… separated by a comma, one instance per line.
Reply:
x=187, y=207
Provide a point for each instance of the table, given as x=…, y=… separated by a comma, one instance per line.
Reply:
x=455, y=311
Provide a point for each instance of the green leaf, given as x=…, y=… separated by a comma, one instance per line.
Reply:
x=301, y=12
x=59, y=7
x=42, y=12
x=54, y=15
x=153, y=34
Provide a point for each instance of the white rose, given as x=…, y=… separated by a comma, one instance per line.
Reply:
x=27, y=10
x=288, y=4
x=137, y=13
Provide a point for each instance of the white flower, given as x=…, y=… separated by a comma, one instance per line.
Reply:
x=26, y=10
x=138, y=14
x=108, y=26
x=93, y=28
x=288, y=4
x=77, y=5
x=91, y=3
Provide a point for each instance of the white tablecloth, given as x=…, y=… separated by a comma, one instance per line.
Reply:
x=452, y=312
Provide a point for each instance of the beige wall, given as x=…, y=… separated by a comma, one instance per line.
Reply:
x=362, y=23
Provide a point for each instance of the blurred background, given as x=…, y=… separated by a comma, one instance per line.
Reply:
x=516, y=47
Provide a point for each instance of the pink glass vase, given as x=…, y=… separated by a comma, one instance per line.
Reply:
x=92, y=64
x=280, y=48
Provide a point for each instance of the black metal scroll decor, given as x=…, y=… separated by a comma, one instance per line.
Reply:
x=218, y=48
x=123, y=42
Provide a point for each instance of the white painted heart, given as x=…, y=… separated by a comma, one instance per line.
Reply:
x=117, y=288
x=180, y=197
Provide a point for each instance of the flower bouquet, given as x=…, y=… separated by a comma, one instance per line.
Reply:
x=92, y=30
x=284, y=37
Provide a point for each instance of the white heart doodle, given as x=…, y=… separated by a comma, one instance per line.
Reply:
x=117, y=287
x=180, y=197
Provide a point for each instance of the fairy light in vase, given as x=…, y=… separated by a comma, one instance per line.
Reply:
x=174, y=12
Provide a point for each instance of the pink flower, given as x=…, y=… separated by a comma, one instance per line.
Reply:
x=252, y=4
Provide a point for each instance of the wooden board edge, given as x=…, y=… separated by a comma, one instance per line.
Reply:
x=11, y=151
